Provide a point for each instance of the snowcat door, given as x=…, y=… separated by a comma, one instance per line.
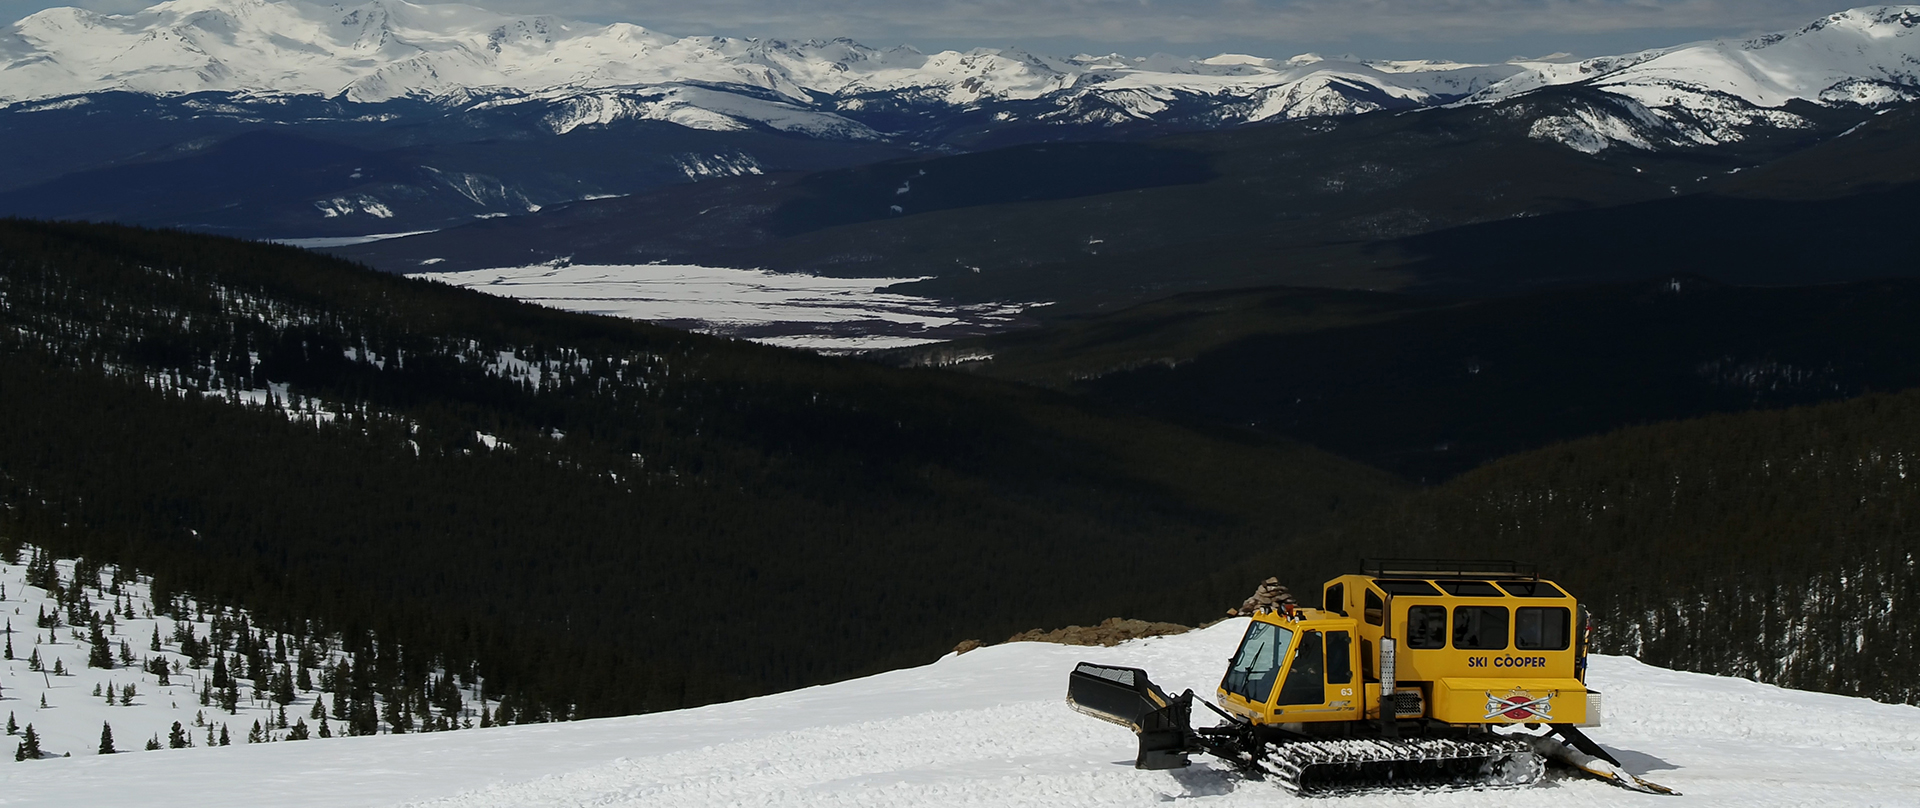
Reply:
x=1319, y=684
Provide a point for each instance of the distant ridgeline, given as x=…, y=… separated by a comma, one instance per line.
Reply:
x=603, y=516
x=1779, y=546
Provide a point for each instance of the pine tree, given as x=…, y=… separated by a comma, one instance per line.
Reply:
x=12, y=725
x=303, y=679
x=153, y=744
x=100, y=654
x=59, y=667
x=230, y=698
x=29, y=748
x=106, y=739
x=9, y=645
x=126, y=694
x=280, y=720
x=154, y=644
x=220, y=677
x=318, y=712
x=299, y=731
x=33, y=662
x=225, y=740
x=177, y=737
x=256, y=735
x=283, y=687
x=126, y=654
x=486, y=719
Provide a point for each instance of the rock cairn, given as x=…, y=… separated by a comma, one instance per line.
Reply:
x=1270, y=597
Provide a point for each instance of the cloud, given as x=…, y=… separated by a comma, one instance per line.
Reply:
x=1195, y=21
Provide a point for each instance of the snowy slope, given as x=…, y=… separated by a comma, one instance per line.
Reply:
x=67, y=710
x=991, y=728
x=1709, y=92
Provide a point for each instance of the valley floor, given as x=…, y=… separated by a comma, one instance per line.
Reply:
x=992, y=728
x=778, y=308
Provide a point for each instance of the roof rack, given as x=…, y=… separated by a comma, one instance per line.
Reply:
x=1447, y=568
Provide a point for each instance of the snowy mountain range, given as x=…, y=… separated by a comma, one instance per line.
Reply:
x=390, y=117
x=389, y=49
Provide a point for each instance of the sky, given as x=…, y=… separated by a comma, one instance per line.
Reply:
x=1467, y=30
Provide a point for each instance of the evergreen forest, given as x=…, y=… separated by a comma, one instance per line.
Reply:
x=603, y=517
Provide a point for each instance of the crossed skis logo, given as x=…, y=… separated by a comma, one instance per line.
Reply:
x=1519, y=706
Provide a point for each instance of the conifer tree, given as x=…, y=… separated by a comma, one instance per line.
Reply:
x=59, y=667
x=325, y=731
x=230, y=698
x=126, y=694
x=177, y=737
x=12, y=725
x=126, y=654
x=225, y=740
x=280, y=718
x=29, y=748
x=283, y=687
x=9, y=645
x=106, y=739
x=33, y=661
x=100, y=654
x=256, y=735
x=154, y=644
x=318, y=712
x=220, y=677
x=299, y=731
x=153, y=744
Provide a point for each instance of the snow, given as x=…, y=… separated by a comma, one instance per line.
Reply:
x=589, y=74
x=70, y=722
x=800, y=311
x=342, y=241
x=992, y=728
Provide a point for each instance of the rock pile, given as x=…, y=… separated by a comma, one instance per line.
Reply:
x=1270, y=597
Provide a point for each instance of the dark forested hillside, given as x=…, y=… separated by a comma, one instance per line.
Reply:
x=606, y=515
x=1429, y=388
x=1779, y=546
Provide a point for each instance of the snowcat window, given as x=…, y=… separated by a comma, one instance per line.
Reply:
x=1339, y=658
x=1480, y=628
x=1306, y=679
x=1336, y=599
x=1542, y=628
x=1376, y=608
x=1427, y=627
x=1532, y=589
x=1257, y=663
x=1471, y=589
x=1393, y=587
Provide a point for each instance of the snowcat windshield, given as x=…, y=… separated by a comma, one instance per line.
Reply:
x=1257, y=664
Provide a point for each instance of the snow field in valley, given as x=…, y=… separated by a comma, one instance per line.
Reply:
x=70, y=722
x=992, y=728
x=792, y=310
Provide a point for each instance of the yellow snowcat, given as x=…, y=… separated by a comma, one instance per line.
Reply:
x=1412, y=674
